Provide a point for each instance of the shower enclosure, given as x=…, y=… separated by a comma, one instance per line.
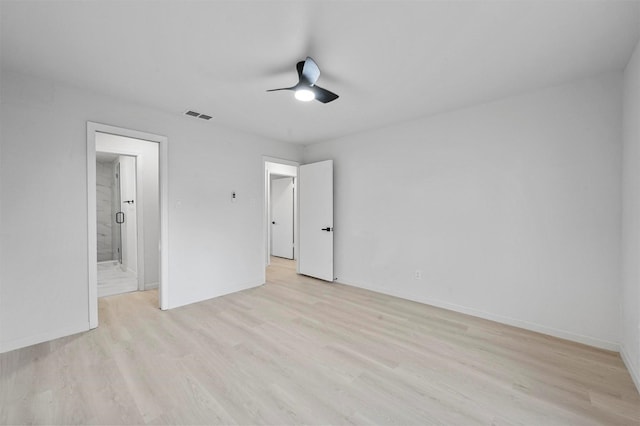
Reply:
x=116, y=210
x=108, y=198
x=116, y=223
x=118, y=216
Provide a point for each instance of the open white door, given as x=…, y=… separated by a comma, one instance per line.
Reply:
x=282, y=217
x=315, y=195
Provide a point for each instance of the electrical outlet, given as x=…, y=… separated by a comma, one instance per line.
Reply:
x=418, y=274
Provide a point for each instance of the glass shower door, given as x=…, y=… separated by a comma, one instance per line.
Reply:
x=118, y=216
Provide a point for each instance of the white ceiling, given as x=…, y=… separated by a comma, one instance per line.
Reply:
x=389, y=61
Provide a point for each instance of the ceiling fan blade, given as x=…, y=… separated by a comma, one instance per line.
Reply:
x=308, y=74
x=283, y=88
x=323, y=95
x=310, y=71
x=299, y=67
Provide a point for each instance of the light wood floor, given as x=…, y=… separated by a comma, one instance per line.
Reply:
x=301, y=351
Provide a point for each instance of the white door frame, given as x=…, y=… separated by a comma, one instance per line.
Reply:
x=92, y=243
x=266, y=229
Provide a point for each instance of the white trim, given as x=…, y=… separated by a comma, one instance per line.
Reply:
x=92, y=227
x=267, y=159
x=23, y=342
x=266, y=218
x=550, y=331
x=635, y=374
x=164, y=224
x=92, y=129
x=140, y=219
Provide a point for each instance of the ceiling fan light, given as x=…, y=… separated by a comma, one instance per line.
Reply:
x=305, y=95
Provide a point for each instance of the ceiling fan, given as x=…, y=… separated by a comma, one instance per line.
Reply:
x=306, y=89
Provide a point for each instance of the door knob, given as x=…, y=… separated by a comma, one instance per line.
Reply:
x=273, y=223
x=328, y=229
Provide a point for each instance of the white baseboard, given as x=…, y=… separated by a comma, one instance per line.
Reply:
x=151, y=286
x=221, y=292
x=22, y=342
x=562, y=334
x=635, y=374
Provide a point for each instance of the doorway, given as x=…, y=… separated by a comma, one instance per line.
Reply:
x=280, y=209
x=120, y=229
x=137, y=215
x=282, y=216
x=312, y=215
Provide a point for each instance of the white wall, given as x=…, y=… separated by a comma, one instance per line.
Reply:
x=147, y=165
x=630, y=347
x=216, y=247
x=510, y=210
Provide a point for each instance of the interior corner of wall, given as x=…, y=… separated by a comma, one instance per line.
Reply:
x=633, y=367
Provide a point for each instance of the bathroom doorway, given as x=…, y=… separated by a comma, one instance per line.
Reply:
x=117, y=224
x=138, y=219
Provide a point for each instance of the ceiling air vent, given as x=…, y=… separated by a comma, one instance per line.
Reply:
x=198, y=115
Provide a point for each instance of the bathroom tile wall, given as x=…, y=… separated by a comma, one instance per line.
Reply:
x=104, y=182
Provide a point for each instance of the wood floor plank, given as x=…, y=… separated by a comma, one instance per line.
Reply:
x=302, y=351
